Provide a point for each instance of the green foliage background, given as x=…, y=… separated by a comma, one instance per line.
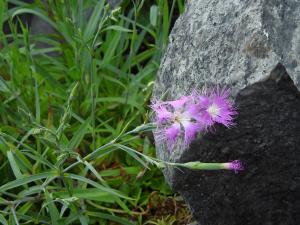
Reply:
x=67, y=109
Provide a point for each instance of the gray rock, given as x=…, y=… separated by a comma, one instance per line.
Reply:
x=233, y=42
x=253, y=47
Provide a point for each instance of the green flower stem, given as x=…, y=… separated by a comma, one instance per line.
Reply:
x=195, y=165
x=204, y=166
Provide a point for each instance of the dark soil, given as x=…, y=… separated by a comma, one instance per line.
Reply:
x=267, y=139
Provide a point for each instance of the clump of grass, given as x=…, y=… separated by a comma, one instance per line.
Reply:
x=68, y=102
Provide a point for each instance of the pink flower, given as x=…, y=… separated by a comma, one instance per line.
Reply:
x=216, y=108
x=185, y=117
x=176, y=119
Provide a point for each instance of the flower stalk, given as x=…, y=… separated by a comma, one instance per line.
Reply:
x=235, y=165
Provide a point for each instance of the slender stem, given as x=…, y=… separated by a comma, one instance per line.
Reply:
x=115, y=210
x=200, y=165
x=12, y=209
x=93, y=105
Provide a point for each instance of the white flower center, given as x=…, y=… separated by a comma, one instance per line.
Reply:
x=213, y=110
x=181, y=117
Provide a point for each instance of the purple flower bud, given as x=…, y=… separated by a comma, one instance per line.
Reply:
x=235, y=165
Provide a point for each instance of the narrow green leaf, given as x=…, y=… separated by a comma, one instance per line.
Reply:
x=90, y=193
x=111, y=47
x=54, y=214
x=24, y=209
x=37, y=102
x=121, y=100
x=51, y=81
x=180, y=6
x=3, y=221
x=13, y=164
x=36, y=12
x=118, y=28
x=43, y=51
x=151, y=32
x=116, y=198
x=95, y=184
x=114, y=81
x=109, y=217
x=165, y=21
x=31, y=191
x=2, y=11
x=153, y=15
x=84, y=220
x=26, y=180
x=38, y=158
x=24, y=164
x=93, y=21
x=132, y=153
x=94, y=171
x=79, y=134
x=118, y=172
x=3, y=86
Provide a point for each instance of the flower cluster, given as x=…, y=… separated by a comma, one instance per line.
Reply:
x=179, y=121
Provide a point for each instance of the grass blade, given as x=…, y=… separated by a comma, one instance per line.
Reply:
x=26, y=180
x=36, y=12
x=13, y=164
x=110, y=218
x=79, y=135
x=93, y=21
x=94, y=184
x=54, y=214
x=3, y=221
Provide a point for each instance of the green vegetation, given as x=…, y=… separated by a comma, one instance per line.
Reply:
x=68, y=103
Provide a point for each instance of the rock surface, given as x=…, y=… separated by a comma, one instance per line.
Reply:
x=253, y=47
x=234, y=42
